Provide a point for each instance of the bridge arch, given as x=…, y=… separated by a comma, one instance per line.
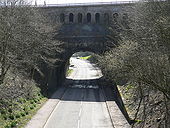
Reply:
x=106, y=18
x=97, y=18
x=88, y=17
x=71, y=17
x=80, y=17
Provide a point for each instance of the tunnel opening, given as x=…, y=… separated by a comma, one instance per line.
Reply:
x=84, y=84
x=81, y=71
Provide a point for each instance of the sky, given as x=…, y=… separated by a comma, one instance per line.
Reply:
x=41, y=2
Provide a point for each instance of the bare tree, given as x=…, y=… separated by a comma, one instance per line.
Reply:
x=142, y=57
x=25, y=37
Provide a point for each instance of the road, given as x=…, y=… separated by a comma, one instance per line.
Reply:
x=83, y=104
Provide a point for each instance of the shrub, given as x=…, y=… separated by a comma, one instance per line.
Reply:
x=17, y=115
x=5, y=117
x=26, y=112
x=32, y=107
x=13, y=124
x=8, y=126
x=12, y=117
x=3, y=112
x=35, y=100
x=32, y=101
x=23, y=114
x=10, y=110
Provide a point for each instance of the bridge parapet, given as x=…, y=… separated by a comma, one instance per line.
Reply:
x=91, y=14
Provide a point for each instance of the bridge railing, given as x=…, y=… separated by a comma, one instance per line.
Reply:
x=88, y=3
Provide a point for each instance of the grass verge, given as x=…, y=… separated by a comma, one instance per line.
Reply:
x=86, y=57
x=11, y=118
x=69, y=71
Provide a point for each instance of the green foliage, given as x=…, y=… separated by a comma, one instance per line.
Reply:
x=7, y=126
x=5, y=117
x=32, y=101
x=26, y=112
x=32, y=107
x=69, y=71
x=13, y=124
x=12, y=117
x=18, y=115
x=86, y=57
x=10, y=110
x=3, y=112
x=23, y=113
x=138, y=121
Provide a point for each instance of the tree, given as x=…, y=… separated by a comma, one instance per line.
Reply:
x=25, y=38
x=142, y=55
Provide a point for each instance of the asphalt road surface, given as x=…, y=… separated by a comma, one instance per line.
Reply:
x=83, y=104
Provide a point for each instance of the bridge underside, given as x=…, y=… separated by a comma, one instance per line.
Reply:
x=82, y=30
x=82, y=37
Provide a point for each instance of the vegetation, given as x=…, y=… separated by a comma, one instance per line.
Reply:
x=140, y=61
x=82, y=54
x=25, y=45
x=69, y=71
x=16, y=112
x=86, y=57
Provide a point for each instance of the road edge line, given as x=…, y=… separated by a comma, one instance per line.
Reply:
x=103, y=93
x=54, y=108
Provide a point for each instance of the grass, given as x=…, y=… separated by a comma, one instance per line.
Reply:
x=19, y=118
x=69, y=71
x=86, y=57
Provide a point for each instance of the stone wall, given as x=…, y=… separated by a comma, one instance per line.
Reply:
x=105, y=12
x=82, y=28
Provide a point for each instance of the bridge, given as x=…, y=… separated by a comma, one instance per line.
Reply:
x=82, y=27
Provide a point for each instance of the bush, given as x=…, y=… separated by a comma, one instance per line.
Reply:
x=32, y=107
x=13, y=124
x=8, y=126
x=12, y=117
x=3, y=112
x=10, y=110
x=32, y=101
x=18, y=115
x=26, y=112
x=35, y=100
x=23, y=114
x=5, y=117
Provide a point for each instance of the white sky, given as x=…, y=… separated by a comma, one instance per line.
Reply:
x=41, y=2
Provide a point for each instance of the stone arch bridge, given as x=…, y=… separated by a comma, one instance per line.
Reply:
x=82, y=28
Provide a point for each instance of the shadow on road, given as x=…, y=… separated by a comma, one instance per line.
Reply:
x=84, y=90
x=90, y=91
